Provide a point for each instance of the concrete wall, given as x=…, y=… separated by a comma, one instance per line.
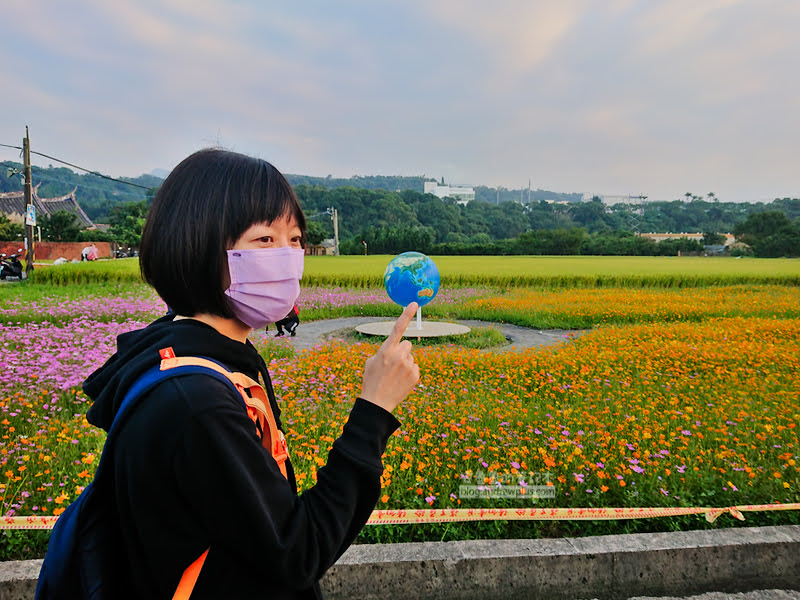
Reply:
x=54, y=250
x=604, y=567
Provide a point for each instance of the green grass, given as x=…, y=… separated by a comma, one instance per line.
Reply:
x=502, y=271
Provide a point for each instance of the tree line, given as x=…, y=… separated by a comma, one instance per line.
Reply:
x=394, y=221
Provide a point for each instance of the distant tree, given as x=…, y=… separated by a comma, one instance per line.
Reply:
x=390, y=240
x=618, y=243
x=10, y=232
x=61, y=226
x=712, y=238
x=770, y=234
x=684, y=245
x=95, y=235
x=549, y=242
x=127, y=220
x=315, y=233
x=761, y=225
x=591, y=215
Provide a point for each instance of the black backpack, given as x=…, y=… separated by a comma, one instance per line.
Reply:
x=84, y=557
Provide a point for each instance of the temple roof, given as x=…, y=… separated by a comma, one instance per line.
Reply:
x=13, y=205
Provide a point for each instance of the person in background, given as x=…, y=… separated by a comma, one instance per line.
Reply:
x=289, y=322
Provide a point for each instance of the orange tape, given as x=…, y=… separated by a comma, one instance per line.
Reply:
x=410, y=516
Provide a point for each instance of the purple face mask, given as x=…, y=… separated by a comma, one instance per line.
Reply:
x=265, y=283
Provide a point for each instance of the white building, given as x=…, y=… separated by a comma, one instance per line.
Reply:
x=462, y=194
x=611, y=199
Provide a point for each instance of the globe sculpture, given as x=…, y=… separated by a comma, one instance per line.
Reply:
x=411, y=277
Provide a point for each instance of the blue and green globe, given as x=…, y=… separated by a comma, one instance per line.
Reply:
x=411, y=277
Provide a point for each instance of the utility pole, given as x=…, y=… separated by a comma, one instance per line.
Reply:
x=336, y=232
x=26, y=160
x=335, y=217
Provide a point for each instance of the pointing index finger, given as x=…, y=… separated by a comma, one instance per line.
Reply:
x=401, y=324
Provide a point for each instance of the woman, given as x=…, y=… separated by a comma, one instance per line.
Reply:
x=223, y=247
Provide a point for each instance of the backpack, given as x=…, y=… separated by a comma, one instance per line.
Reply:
x=83, y=558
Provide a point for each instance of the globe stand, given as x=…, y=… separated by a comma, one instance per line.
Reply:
x=419, y=330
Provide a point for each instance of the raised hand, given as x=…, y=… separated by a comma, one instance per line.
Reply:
x=391, y=374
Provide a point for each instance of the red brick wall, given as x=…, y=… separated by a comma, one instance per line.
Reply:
x=54, y=250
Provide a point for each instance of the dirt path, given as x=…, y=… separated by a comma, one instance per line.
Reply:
x=310, y=334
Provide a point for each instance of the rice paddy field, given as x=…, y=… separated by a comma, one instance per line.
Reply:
x=678, y=395
x=499, y=271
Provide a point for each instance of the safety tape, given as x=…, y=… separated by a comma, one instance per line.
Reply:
x=412, y=516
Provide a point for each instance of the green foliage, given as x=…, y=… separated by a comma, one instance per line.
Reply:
x=23, y=544
x=127, y=221
x=784, y=243
x=315, y=232
x=770, y=234
x=95, y=235
x=556, y=242
x=712, y=238
x=500, y=214
x=619, y=243
x=682, y=245
x=390, y=240
x=761, y=225
x=592, y=215
x=10, y=232
x=61, y=226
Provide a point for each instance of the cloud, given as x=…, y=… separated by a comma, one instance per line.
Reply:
x=518, y=35
x=611, y=96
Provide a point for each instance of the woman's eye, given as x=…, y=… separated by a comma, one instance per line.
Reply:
x=266, y=239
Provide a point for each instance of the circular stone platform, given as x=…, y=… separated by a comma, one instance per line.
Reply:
x=429, y=329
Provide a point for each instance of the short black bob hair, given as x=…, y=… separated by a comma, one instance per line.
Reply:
x=206, y=203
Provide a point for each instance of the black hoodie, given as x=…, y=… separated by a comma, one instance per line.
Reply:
x=189, y=473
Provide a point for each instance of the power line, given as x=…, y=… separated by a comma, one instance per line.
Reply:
x=144, y=187
x=47, y=178
x=63, y=162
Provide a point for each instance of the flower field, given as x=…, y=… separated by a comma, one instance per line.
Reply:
x=686, y=397
x=580, y=308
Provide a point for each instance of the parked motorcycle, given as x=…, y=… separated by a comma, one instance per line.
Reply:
x=10, y=266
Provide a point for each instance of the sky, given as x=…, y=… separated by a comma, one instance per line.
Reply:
x=653, y=97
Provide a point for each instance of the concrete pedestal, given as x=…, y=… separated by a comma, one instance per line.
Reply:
x=429, y=329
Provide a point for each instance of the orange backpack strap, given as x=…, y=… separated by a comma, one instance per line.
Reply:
x=190, y=575
x=255, y=398
x=259, y=410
